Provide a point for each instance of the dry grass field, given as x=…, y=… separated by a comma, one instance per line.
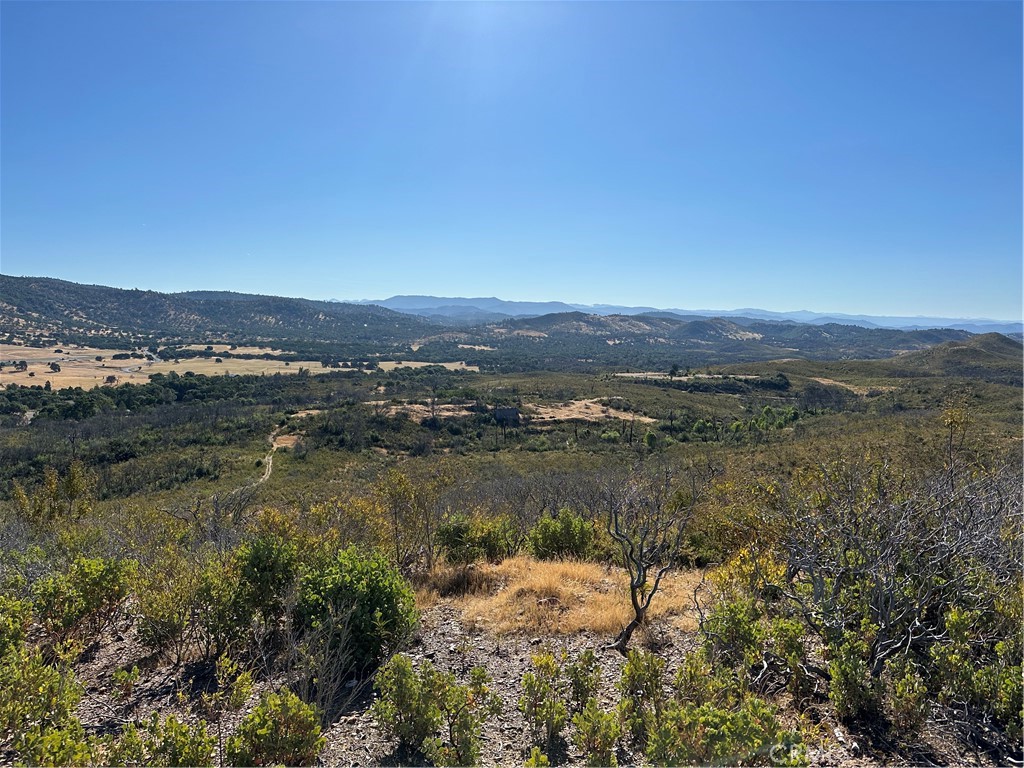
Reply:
x=79, y=366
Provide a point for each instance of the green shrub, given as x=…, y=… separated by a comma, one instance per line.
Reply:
x=541, y=702
x=372, y=600
x=234, y=687
x=698, y=682
x=731, y=631
x=565, y=535
x=282, y=730
x=268, y=566
x=83, y=601
x=708, y=735
x=34, y=696
x=853, y=693
x=165, y=613
x=584, y=677
x=220, y=615
x=787, y=637
x=173, y=742
x=906, y=697
x=15, y=617
x=65, y=746
x=464, y=710
x=124, y=681
x=466, y=540
x=642, y=695
x=537, y=759
x=597, y=733
x=407, y=707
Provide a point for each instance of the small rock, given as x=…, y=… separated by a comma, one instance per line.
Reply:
x=535, y=641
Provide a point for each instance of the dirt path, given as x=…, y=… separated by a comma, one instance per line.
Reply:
x=278, y=440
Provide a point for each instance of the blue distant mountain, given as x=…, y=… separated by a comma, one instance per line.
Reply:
x=491, y=309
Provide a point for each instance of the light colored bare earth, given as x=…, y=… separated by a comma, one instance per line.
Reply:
x=587, y=410
x=481, y=347
x=418, y=411
x=852, y=387
x=286, y=441
x=521, y=332
x=390, y=365
x=663, y=375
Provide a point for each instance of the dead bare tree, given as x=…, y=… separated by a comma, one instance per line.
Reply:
x=648, y=512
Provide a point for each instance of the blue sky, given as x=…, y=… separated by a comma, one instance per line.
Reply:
x=860, y=157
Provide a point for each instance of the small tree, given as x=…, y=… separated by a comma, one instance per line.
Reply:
x=647, y=517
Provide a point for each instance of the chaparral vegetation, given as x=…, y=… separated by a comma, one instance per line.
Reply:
x=731, y=556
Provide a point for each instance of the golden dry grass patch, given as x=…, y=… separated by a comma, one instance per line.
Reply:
x=566, y=597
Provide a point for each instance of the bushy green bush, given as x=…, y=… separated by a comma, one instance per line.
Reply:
x=464, y=710
x=85, y=599
x=165, y=600
x=220, y=616
x=542, y=700
x=584, y=677
x=282, y=730
x=65, y=746
x=267, y=567
x=852, y=691
x=597, y=734
x=34, y=696
x=174, y=742
x=642, y=695
x=731, y=631
x=368, y=596
x=699, y=682
x=905, y=703
x=407, y=706
x=15, y=617
x=416, y=707
x=468, y=539
x=562, y=536
x=708, y=735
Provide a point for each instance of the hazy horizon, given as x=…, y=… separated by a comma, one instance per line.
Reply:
x=556, y=299
x=864, y=158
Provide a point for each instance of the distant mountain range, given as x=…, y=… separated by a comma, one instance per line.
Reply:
x=471, y=311
x=489, y=333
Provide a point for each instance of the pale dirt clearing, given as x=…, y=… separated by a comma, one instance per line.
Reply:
x=856, y=389
x=390, y=365
x=419, y=411
x=679, y=377
x=587, y=410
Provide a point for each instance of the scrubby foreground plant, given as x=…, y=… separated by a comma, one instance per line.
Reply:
x=430, y=713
